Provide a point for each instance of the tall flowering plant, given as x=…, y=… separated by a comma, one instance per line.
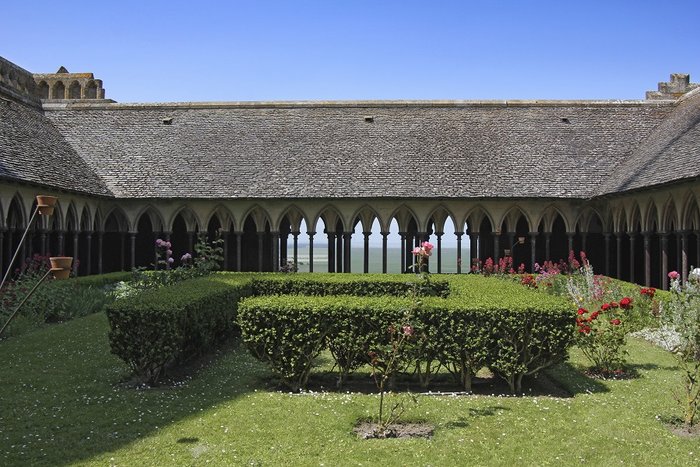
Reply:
x=682, y=313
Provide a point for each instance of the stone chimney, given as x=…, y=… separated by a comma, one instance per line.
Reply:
x=679, y=85
x=65, y=85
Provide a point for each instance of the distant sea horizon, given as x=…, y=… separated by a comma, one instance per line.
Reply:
x=449, y=259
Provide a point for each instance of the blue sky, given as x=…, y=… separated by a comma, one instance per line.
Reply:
x=364, y=49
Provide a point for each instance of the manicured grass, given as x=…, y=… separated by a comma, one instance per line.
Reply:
x=61, y=404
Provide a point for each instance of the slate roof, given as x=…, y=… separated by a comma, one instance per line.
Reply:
x=32, y=150
x=669, y=153
x=557, y=149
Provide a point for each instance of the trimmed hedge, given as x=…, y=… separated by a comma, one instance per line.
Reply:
x=374, y=285
x=512, y=330
x=172, y=324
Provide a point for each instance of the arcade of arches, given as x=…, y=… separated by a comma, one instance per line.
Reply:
x=638, y=237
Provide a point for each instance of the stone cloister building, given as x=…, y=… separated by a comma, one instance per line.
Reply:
x=618, y=179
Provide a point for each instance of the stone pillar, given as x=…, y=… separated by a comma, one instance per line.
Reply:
x=347, y=265
x=132, y=238
x=533, y=250
x=459, y=251
x=365, y=262
x=88, y=259
x=697, y=248
x=647, y=258
x=42, y=240
x=584, y=238
x=339, y=252
x=570, y=241
x=239, y=242
x=100, y=244
x=385, y=253
x=618, y=255
x=684, y=254
x=76, y=252
x=261, y=245
x=61, y=243
x=295, y=235
x=224, y=235
x=122, y=256
x=275, y=251
x=311, y=250
x=606, y=236
x=511, y=241
x=439, y=251
x=190, y=242
x=547, y=244
x=496, y=246
x=403, y=251
x=633, y=237
x=331, y=251
x=664, y=260
x=473, y=249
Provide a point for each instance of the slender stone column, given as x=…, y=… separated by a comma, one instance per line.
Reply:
x=100, y=244
x=684, y=254
x=439, y=251
x=646, y=236
x=511, y=241
x=88, y=256
x=533, y=250
x=311, y=250
x=473, y=249
x=224, y=236
x=331, y=251
x=190, y=242
x=459, y=251
x=547, y=244
x=295, y=235
x=633, y=237
x=385, y=262
x=570, y=241
x=42, y=240
x=239, y=242
x=261, y=245
x=365, y=262
x=275, y=251
x=403, y=251
x=584, y=239
x=122, y=256
x=496, y=246
x=339, y=251
x=664, y=260
x=347, y=265
x=76, y=252
x=697, y=248
x=62, y=245
x=618, y=255
x=606, y=236
x=132, y=238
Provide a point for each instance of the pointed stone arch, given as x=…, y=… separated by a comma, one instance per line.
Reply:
x=224, y=215
x=154, y=215
x=512, y=216
x=192, y=220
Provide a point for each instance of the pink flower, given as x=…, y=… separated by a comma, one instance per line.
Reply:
x=171, y=260
x=407, y=330
x=673, y=275
x=159, y=242
x=428, y=247
x=417, y=251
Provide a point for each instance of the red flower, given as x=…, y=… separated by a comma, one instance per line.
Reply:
x=605, y=306
x=594, y=315
x=614, y=305
x=615, y=322
x=582, y=311
x=626, y=303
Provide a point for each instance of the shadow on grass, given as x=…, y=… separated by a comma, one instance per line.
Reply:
x=476, y=412
x=63, y=403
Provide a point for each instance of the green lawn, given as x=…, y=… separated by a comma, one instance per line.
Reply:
x=61, y=404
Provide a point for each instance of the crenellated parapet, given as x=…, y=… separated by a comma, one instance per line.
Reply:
x=678, y=85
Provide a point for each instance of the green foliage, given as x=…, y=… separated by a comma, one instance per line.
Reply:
x=682, y=314
x=485, y=321
x=171, y=324
x=209, y=255
x=366, y=285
